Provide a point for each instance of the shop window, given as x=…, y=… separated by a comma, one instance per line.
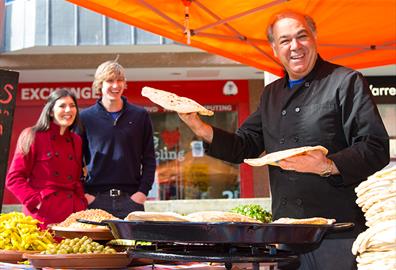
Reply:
x=118, y=33
x=183, y=170
x=90, y=28
x=62, y=23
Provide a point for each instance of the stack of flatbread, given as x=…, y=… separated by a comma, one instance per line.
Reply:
x=376, y=247
x=173, y=102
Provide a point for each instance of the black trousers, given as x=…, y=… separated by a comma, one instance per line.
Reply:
x=332, y=254
x=119, y=206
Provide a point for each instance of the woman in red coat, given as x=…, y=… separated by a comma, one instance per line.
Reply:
x=45, y=172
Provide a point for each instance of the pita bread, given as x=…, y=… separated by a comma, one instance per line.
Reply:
x=313, y=220
x=173, y=102
x=273, y=158
x=155, y=216
x=220, y=216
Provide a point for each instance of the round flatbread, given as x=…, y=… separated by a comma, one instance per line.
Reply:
x=273, y=158
x=219, y=216
x=155, y=216
x=313, y=220
x=173, y=102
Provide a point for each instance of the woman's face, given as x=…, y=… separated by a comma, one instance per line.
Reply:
x=64, y=112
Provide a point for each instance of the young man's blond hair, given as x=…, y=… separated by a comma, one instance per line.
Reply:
x=109, y=70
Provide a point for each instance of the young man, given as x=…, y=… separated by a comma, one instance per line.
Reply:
x=117, y=145
x=316, y=103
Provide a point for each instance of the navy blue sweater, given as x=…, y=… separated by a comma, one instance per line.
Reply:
x=118, y=153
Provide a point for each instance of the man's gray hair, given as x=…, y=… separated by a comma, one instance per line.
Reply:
x=289, y=14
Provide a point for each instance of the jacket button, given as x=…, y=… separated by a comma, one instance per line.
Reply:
x=56, y=173
x=307, y=84
x=299, y=202
x=283, y=112
x=70, y=157
x=296, y=139
x=48, y=154
x=297, y=109
x=284, y=201
x=282, y=141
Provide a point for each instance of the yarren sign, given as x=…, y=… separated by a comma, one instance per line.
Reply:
x=383, y=89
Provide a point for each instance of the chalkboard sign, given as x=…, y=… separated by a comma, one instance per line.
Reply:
x=8, y=91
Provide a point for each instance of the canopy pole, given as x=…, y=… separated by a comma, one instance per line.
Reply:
x=187, y=30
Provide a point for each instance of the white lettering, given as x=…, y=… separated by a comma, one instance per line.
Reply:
x=219, y=108
x=164, y=155
x=382, y=91
x=43, y=93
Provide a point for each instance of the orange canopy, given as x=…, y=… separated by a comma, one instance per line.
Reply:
x=354, y=33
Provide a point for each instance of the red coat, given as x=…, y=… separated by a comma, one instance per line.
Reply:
x=49, y=174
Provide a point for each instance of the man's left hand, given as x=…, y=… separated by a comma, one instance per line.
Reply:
x=139, y=197
x=310, y=162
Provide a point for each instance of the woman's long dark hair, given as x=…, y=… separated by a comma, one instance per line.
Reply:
x=43, y=123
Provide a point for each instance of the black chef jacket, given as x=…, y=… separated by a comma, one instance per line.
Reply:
x=333, y=108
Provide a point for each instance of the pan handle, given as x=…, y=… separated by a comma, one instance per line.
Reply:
x=340, y=227
x=92, y=222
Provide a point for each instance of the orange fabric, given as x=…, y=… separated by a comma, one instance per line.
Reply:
x=346, y=29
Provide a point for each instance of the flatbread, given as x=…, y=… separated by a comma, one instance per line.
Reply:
x=273, y=158
x=173, y=102
x=313, y=220
x=155, y=216
x=220, y=216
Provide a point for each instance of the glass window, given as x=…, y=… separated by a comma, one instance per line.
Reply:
x=41, y=23
x=90, y=27
x=62, y=23
x=183, y=170
x=118, y=33
x=144, y=37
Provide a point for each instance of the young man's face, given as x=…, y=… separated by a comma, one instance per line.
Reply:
x=113, y=88
x=295, y=46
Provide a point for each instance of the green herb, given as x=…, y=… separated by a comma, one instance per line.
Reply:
x=254, y=211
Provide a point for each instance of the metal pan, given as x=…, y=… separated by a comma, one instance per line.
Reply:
x=224, y=232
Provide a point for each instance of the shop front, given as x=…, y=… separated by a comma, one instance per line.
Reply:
x=183, y=170
x=383, y=89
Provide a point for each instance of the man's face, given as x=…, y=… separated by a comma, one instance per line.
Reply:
x=113, y=88
x=295, y=46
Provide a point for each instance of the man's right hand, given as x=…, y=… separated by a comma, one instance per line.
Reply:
x=90, y=198
x=200, y=128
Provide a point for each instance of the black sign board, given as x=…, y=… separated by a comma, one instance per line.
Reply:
x=8, y=91
x=383, y=89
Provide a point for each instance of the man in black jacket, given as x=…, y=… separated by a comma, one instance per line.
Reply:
x=315, y=103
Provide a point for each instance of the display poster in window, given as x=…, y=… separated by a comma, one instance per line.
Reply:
x=184, y=171
x=8, y=90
